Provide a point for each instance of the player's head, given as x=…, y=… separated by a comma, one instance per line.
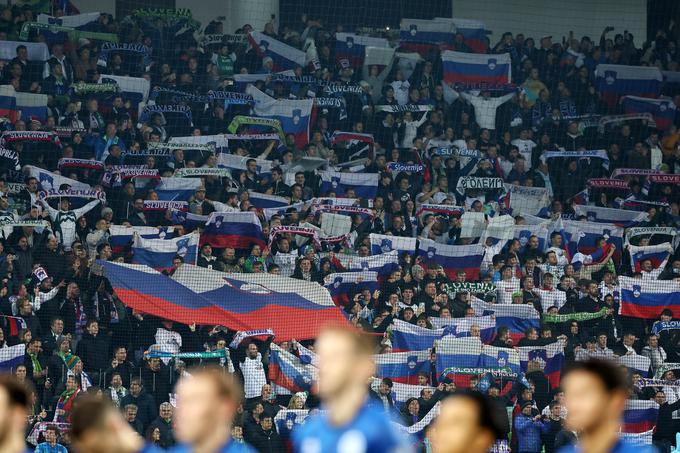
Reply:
x=206, y=404
x=14, y=403
x=595, y=393
x=98, y=427
x=468, y=422
x=345, y=360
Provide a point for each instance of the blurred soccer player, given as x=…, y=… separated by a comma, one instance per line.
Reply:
x=468, y=423
x=14, y=402
x=351, y=423
x=206, y=405
x=595, y=395
x=98, y=427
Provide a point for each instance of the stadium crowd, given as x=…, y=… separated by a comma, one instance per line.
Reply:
x=96, y=158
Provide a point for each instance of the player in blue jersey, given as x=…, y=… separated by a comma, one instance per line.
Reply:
x=14, y=404
x=348, y=423
x=206, y=405
x=98, y=427
x=595, y=395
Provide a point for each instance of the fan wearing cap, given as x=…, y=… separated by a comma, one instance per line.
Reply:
x=529, y=428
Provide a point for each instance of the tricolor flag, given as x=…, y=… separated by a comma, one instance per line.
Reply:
x=403, y=367
x=351, y=47
x=400, y=392
x=459, y=352
x=283, y=55
x=8, y=103
x=74, y=21
x=639, y=416
x=294, y=115
x=343, y=285
x=287, y=371
x=238, y=164
x=423, y=36
x=619, y=217
x=182, y=189
x=240, y=230
x=582, y=237
x=471, y=68
x=134, y=89
x=365, y=185
x=122, y=236
x=657, y=254
x=383, y=264
x=263, y=200
x=517, y=318
x=383, y=243
x=474, y=32
x=189, y=220
x=409, y=337
x=662, y=109
x=614, y=81
x=159, y=253
x=15, y=324
x=32, y=105
x=453, y=258
x=493, y=356
x=12, y=357
x=460, y=327
x=52, y=181
x=550, y=357
x=646, y=298
x=524, y=232
x=635, y=363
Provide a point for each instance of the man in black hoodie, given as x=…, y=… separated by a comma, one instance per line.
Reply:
x=93, y=350
x=264, y=438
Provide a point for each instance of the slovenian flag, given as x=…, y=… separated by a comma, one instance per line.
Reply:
x=460, y=327
x=550, y=357
x=517, y=318
x=263, y=200
x=134, y=89
x=657, y=254
x=646, y=298
x=159, y=253
x=639, y=416
x=32, y=105
x=383, y=264
x=474, y=33
x=614, y=81
x=383, y=243
x=459, y=352
x=342, y=285
x=409, y=337
x=403, y=367
x=635, y=363
x=283, y=55
x=662, y=109
x=121, y=236
x=400, y=392
x=352, y=47
x=180, y=189
x=294, y=115
x=524, y=232
x=423, y=36
x=8, y=103
x=472, y=68
x=582, y=237
x=15, y=325
x=287, y=371
x=240, y=230
x=619, y=217
x=238, y=164
x=365, y=185
x=453, y=258
x=12, y=357
x=493, y=356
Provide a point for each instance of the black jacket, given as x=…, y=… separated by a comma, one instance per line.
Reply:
x=94, y=352
x=265, y=441
x=147, y=410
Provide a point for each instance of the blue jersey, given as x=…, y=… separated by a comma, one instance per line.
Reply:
x=620, y=447
x=371, y=431
x=231, y=447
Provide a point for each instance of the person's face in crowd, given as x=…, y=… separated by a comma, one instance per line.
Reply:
x=629, y=340
x=116, y=381
x=602, y=341
x=653, y=341
x=660, y=398
x=507, y=273
x=573, y=328
x=64, y=345
x=206, y=250
x=70, y=383
x=135, y=388
x=252, y=350
x=93, y=328
x=529, y=283
x=20, y=372
x=552, y=258
x=166, y=411
x=130, y=414
x=533, y=242
x=421, y=323
x=593, y=290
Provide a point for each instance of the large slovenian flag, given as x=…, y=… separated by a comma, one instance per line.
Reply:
x=159, y=253
x=8, y=103
x=619, y=217
x=453, y=258
x=635, y=363
x=423, y=36
x=351, y=47
x=53, y=181
x=493, y=356
x=459, y=352
x=240, y=230
x=31, y=106
x=646, y=298
x=287, y=371
x=657, y=254
x=460, y=327
x=471, y=68
x=181, y=189
x=614, y=81
x=524, y=232
x=283, y=55
x=662, y=109
x=409, y=337
x=550, y=357
x=517, y=318
x=383, y=264
x=403, y=367
x=238, y=301
x=383, y=243
x=294, y=115
x=474, y=32
x=365, y=185
x=639, y=416
x=12, y=357
x=581, y=237
x=265, y=201
x=343, y=284
x=122, y=236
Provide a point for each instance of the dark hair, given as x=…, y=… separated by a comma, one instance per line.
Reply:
x=490, y=415
x=611, y=376
x=18, y=393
